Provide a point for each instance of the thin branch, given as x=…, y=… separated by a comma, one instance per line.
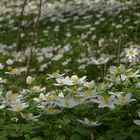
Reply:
x=18, y=40
x=33, y=41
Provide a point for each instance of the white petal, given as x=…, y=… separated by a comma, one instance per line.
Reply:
x=137, y=122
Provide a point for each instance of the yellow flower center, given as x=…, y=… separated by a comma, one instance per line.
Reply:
x=122, y=100
x=26, y=115
x=66, y=104
x=118, y=69
x=106, y=98
x=55, y=73
x=12, y=97
x=52, y=110
x=74, y=89
x=75, y=79
x=78, y=100
x=129, y=73
x=18, y=107
x=51, y=97
x=36, y=88
x=88, y=92
x=130, y=52
x=14, y=70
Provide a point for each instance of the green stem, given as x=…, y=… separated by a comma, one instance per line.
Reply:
x=19, y=132
x=119, y=51
x=121, y=82
x=91, y=136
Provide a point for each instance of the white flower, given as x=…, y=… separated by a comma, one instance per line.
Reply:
x=68, y=103
x=15, y=119
x=9, y=62
x=73, y=80
x=117, y=79
x=131, y=53
x=12, y=97
x=41, y=98
x=105, y=86
x=50, y=97
x=137, y=122
x=130, y=74
x=90, y=84
x=124, y=100
x=16, y=71
x=89, y=123
x=115, y=70
x=119, y=74
x=52, y=111
x=29, y=116
x=2, y=106
x=88, y=94
x=61, y=95
x=106, y=101
x=57, y=57
x=49, y=108
x=37, y=89
x=99, y=61
x=29, y=80
x=17, y=107
x=74, y=89
x=55, y=75
x=40, y=59
x=115, y=93
x=1, y=66
x=2, y=81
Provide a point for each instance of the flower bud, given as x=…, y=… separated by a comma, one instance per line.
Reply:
x=29, y=80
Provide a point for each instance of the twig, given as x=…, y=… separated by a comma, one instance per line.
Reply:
x=33, y=41
x=18, y=41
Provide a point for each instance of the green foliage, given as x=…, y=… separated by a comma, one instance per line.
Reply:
x=87, y=38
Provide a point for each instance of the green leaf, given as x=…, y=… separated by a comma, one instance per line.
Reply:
x=3, y=138
x=134, y=132
x=4, y=133
x=101, y=138
x=27, y=137
x=62, y=137
x=119, y=137
x=37, y=138
x=76, y=137
x=83, y=131
x=135, y=136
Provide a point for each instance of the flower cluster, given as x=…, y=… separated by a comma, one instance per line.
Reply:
x=84, y=69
